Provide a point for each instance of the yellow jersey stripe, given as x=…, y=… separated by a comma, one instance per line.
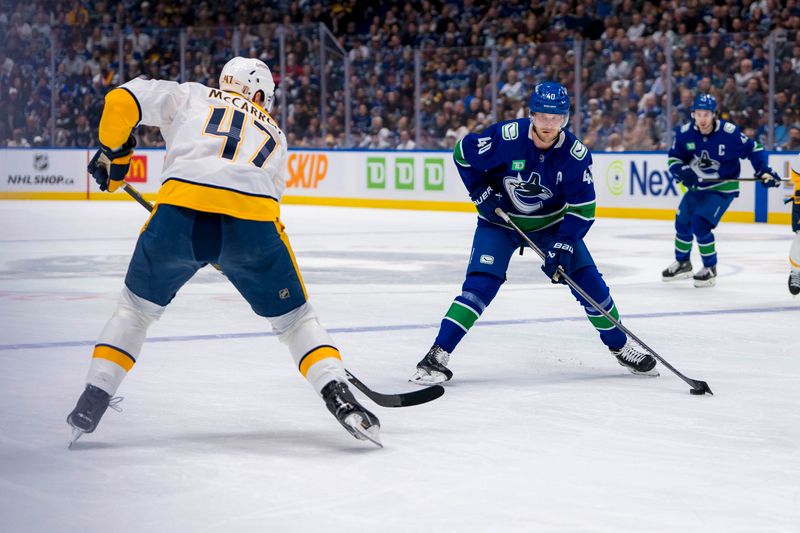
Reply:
x=285, y=239
x=315, y=356
x=115, y=355
x=210, y=199
x=120, y=115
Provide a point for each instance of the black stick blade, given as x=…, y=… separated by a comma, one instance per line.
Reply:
x=699, y=388
x=403, y=399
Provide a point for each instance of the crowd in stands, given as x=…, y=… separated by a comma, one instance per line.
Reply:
x=477, y=61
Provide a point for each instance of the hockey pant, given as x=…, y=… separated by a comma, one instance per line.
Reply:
x=698, y=214
x=256, y=258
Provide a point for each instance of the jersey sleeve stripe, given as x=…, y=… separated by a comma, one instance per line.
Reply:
x=458, y=155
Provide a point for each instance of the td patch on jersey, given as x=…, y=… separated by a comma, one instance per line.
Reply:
x=527, y=194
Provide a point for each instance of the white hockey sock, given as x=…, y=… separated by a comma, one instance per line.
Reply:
x=312, y=349
x=794, y=252
x=121, y=340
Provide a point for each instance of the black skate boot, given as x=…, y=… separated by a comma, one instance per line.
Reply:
x=677, y=270
x=359, y=422
x=637, y=362
x=794, y=282
x=90, y=408
x=432, y=369
x=705, y=277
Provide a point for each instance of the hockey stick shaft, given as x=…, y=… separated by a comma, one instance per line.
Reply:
x=695, y=384
x=725, y=180
x=405, y=399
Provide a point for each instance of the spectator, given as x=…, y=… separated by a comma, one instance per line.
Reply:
x=406, y=142
x=793, y=144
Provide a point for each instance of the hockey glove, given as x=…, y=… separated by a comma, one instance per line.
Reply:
x=486, y=200
x=769, y=177
x=109, y=167
x=559, y=255
x=686, y=176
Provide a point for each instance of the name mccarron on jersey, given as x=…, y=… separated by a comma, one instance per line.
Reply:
x=242, y=103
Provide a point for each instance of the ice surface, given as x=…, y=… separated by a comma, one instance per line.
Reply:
x=541, y=429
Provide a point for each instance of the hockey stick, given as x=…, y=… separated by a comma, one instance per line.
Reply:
x=726, y=180
x=403, y=399
x=698, y=387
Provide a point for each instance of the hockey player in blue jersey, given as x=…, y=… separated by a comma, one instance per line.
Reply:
x=541, y=176
x=705, y=157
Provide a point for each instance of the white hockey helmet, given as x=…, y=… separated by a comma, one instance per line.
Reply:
x=247, y=76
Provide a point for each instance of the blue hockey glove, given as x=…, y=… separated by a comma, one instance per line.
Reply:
x=487, y=200
x=559, y=254
x=686, y=176
x=769, y=177
x=109, y=167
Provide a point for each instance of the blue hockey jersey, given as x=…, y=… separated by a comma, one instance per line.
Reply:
x=716, y=155
x=541, y=188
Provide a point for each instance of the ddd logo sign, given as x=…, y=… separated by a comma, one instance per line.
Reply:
x=306, y=170
x=137, y=173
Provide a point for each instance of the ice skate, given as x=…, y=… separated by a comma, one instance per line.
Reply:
x=432, y=370
x=706, y=277
x=90, y=408
x=677, y=270
x=636, y=361
x=794, y=282
x=359, y=422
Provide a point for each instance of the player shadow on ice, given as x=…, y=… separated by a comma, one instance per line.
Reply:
x=282, y=443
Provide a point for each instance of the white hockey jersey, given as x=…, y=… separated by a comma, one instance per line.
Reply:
x=224, y=153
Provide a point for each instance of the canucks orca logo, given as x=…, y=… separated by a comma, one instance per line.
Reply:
x=527, y=194
x=704, y=166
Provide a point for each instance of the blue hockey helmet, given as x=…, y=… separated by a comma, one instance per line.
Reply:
x=550, y=97
x=704, y=101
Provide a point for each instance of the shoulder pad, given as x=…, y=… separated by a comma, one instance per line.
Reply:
x=686, y=127
x=578, y=150
x=729, y=128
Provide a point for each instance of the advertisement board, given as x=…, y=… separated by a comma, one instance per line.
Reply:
x=42, y=171
x=636, y=185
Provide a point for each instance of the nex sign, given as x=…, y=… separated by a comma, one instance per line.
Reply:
x=405, y=173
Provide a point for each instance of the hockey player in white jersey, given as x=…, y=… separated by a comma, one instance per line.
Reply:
x=222, y=182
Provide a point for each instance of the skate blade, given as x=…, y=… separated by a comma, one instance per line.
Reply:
x=355, y=427
x=705, y=283
x=424, y=379
x=649, y=374
x=76, y=434
x=687, y=275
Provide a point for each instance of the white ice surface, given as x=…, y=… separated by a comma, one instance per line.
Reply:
x=541, y=429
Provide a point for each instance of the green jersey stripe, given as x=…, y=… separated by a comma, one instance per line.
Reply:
x=458, y=153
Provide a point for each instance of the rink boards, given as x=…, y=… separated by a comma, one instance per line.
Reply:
x=628, y=184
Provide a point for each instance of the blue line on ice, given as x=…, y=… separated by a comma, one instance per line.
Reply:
x=401, y=327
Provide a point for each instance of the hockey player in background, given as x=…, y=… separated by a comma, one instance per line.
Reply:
x=218, y=203
x=794, y=251
x=705, y=157
x=540, y=175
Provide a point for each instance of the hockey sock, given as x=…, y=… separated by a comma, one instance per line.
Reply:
x=683, y=247
x=312, y=349
x=456, y=322
x=591, y=281
x=705, y=240
x=478, y=291
x=121, y=341
x=794, y=252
